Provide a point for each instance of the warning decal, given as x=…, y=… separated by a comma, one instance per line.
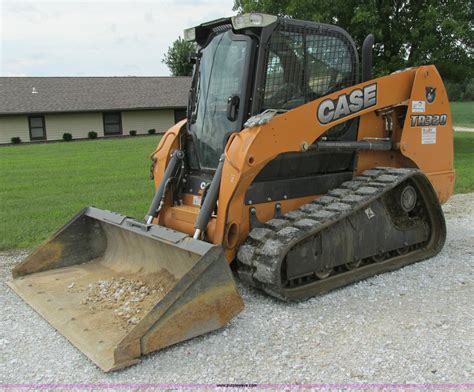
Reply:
x=428, y=135
x=418, y=106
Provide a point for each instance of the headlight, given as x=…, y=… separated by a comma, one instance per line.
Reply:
x=252, y=20
x=190, y=34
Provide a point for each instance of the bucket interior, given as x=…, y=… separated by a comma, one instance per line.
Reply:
x=101, y=300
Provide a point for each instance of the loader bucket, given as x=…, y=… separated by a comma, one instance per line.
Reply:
x=119, y=289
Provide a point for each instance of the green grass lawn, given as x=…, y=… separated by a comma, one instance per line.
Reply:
x=464, y=161
x=463, y=114
x=42, y=186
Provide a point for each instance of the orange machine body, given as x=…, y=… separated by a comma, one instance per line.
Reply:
x=423, y=141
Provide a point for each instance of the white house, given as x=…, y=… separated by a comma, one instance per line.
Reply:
x=44, y=108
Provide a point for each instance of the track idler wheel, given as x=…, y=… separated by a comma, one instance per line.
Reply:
x=408, y=198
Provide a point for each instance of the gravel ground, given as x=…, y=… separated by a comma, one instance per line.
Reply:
x=414, y=325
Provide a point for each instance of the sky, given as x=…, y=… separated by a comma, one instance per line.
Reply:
x=96, y=37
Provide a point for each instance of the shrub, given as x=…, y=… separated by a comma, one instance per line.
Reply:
x=133, y=133
x=152, y=131
x=92, y=135
x=67, y=137
x=15, y=140
x=468, y=91
x=454, y=90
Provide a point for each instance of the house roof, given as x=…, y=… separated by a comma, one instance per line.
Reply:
x=82, y=94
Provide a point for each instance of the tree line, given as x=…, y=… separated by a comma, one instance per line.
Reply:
x=407, y=33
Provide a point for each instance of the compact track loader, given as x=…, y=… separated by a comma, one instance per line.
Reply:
x=294, y=167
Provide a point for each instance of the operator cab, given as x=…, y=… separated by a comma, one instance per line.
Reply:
x=250, y=63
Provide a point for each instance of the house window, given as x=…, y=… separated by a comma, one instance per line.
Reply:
x=37, y=128
x=112, y=123
x=179, y=114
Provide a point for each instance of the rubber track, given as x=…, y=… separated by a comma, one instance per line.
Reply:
x=261, y=256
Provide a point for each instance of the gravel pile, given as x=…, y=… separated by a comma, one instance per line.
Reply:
x=414, y=325
x=130, y=299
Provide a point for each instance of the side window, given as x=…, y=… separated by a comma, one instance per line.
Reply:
x=37, y=128
x=274, y=78
x=303, y=65
x=284, y=87
x=329, y=65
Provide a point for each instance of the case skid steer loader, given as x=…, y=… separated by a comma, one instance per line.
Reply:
x=294, y=167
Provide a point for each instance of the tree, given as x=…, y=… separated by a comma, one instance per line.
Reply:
x=177, y=57
x=407, y=32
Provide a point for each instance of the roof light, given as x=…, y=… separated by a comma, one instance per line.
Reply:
x=252, y=20
x=190, y=34
x=256, y=19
